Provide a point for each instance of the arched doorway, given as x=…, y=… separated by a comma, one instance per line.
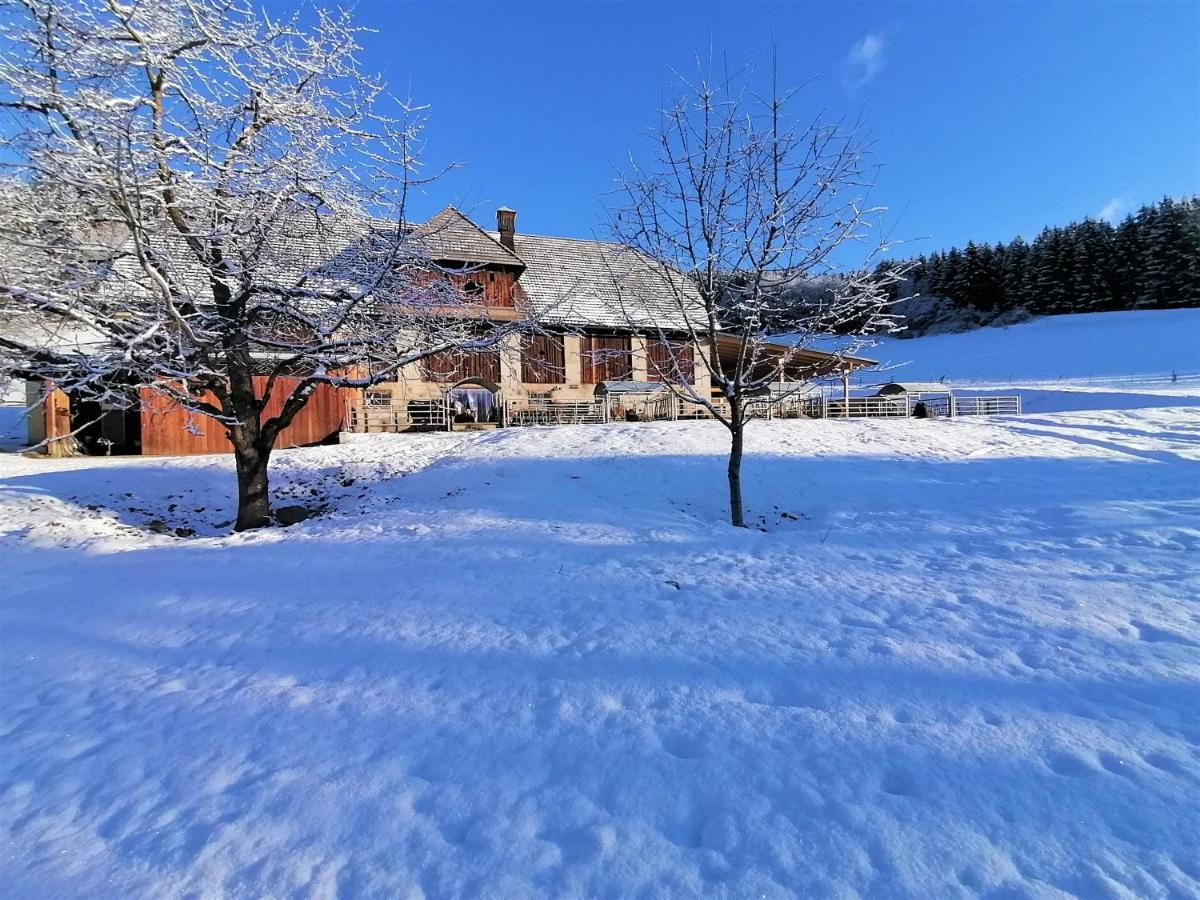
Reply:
x=474, y=402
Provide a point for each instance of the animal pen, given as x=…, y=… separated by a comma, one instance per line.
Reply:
x=477, y=404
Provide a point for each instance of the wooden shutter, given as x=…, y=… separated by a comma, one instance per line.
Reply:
x=450, y=366
x=607, y=358
x=543, y=359
x=671, y=361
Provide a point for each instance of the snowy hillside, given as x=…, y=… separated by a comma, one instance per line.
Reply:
x=963, y=659
x=1140, y=346
x=14, y=427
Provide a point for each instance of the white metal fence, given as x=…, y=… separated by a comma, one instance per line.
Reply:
x=906, y=405
x=539, y=411
x=866, y=408
x=383, y=415
x=987, y=406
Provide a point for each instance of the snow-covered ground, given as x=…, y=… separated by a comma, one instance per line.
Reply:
x=1139, y=347
x=1113, y=360
x=14, y=429
x=953, y=658
x=962, y=659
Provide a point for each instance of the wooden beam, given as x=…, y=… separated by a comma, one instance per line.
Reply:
x=57, y=411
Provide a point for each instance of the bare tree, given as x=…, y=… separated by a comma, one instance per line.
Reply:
x=212, y=203
x=738, y=203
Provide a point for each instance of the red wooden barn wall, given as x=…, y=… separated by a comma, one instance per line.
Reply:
x=165, y=423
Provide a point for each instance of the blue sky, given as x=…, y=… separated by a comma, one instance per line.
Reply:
x=989, y=119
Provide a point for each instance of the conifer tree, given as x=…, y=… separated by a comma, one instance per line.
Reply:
x=1151, y=259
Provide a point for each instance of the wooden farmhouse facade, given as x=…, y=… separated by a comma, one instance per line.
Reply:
x=611, y=328
x=587, y=298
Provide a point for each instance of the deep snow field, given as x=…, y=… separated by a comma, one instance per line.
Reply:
x=962, y=659
x=1137, y=359
x=1128, y=347
x=952, y=659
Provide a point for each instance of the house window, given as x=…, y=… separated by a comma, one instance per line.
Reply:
x=671, y=361
x=607, y=358
x=379, y=399
x=543, y=359
x=473, y=289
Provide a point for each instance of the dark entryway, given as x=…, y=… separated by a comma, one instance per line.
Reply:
x=105, y=429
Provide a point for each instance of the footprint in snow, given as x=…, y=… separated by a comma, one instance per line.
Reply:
x=1070, y=765
x=1117, y=766
x=682, y=746
x=1033, y=658
x=1155, y=635
x=900, y=783
x=1165, y=763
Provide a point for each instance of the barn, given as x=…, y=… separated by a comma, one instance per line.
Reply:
x=611, y=333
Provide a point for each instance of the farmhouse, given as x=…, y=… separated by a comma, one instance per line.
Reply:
x=612, y=325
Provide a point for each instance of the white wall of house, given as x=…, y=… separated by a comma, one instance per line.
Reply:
x=573, y=358
x=411, y=384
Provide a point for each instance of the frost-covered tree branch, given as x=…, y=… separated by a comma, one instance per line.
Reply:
x=738, y=202
x=196, y=196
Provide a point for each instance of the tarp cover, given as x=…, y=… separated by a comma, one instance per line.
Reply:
x=913, y=387
x=480, y=402
x=629, y=387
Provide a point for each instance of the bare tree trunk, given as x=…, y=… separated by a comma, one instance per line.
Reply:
x=251, y=457
x=737, y=427
x=252, y=445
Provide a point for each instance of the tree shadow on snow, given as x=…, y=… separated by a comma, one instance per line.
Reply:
x=633, y=496
x=491, y=634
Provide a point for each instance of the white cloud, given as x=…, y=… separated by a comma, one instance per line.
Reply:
x=865, y=59
x=1114, y=209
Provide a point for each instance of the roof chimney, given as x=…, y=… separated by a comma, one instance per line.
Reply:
x=506, y=224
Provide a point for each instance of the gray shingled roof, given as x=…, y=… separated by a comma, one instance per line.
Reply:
x=322, y=253
x=567, y=281
x=452, y=236
x=600, y=284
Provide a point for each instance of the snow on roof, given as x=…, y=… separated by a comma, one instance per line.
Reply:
x=795, y=388
x=318, y=251
x=564, y=281
x=578, y=281
x=568, y=282
x=452, y=236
